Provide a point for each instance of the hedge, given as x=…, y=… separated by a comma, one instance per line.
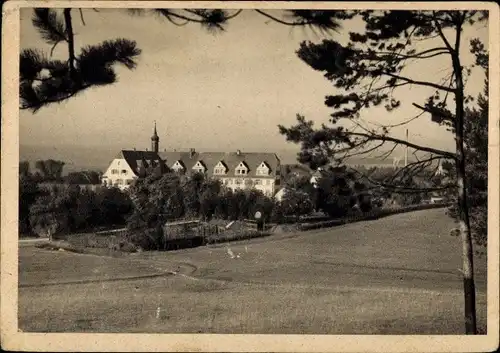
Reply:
x=372, y=215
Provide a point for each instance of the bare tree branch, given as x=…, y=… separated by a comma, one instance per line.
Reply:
x=397, y=188
x=441, y=34
x=405, y=143
x=81, y=17
x=277, y=19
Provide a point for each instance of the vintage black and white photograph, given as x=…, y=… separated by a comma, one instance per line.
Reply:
x=247, y=170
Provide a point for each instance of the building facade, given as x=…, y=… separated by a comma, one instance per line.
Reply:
x=129, y=165
x=236, y=170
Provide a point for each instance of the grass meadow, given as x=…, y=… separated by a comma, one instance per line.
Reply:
x=395, y=275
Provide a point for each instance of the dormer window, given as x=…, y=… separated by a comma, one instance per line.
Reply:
x=177, y=167
x=199, y=167
x=263, y=169
x=241, y=169
x=220, y=169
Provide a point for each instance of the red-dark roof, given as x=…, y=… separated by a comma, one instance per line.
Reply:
x=230, y=159
x=137, y=158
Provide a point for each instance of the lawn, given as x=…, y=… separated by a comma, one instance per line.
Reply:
x=394, y=275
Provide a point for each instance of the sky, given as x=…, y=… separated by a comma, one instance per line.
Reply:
x=219, y=92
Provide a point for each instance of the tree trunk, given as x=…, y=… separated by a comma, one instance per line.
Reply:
x=468, y=261
x=71, y=44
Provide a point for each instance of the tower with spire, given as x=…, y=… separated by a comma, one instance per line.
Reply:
x=155, y=141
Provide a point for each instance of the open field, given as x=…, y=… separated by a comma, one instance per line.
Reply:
x=394, y=275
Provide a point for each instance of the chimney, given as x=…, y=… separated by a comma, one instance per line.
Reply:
x=134, y=148
x=191, y=152
x=164, y=150
x=146, y=149
x=238, y=152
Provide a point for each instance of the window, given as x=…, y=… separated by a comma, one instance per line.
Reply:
x=220, y=168
x=114, y=171
x=124, y=171
x=199, y=167
x=220, y=171
x=129, y=181
x=226, y=182
x=258, y=182
x=268, y=182
x=263, y=169
x=237, y=181
x=241, y=169
x=119, y=182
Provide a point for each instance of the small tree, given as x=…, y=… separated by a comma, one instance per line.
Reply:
x=113, y=206
x=334, y=194
x=50, y=170
x=296, y=203
x=191, y=188
x=208, y=203
x=28, y=194
x=49, y=214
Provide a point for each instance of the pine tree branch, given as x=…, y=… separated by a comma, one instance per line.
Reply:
x=420, y=83
x=37, y=105
x=441, y=113
x=49, y=26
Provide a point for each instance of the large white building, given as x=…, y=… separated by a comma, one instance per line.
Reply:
x=236, y=170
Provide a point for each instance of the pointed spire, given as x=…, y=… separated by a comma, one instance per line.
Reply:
x=155, y=140
x=155, y=134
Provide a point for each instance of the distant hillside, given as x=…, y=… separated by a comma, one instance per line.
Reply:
x=76, y=157
x=98, y=158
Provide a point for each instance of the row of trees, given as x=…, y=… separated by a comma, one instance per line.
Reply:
x=158, y=199
x=337, y=191
x=46, y=210
x=51, y=170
